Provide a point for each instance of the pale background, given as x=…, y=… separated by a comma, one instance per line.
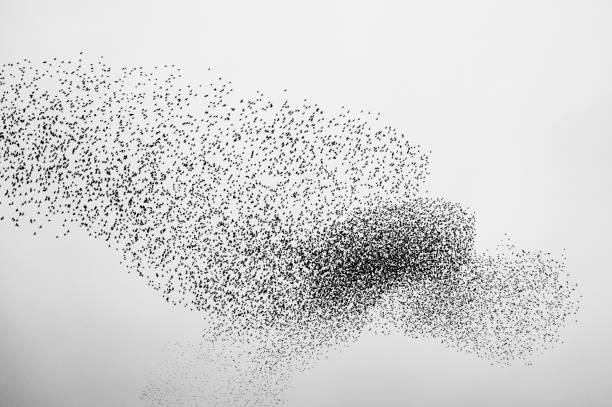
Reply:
x=514, y=99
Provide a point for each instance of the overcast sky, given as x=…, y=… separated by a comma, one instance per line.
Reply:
x=513, y=98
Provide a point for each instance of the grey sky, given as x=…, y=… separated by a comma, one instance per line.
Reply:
x=513, y=98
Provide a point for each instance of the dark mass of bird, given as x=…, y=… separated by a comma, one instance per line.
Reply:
x=292, y=227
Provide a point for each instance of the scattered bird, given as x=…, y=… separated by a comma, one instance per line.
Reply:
x=293, y=226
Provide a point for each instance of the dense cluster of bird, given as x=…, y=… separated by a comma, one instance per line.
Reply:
x=274, y=220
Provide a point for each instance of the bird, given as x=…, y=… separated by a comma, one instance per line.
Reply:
x=291, y=224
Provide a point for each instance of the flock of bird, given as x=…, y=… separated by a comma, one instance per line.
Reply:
x=281, y=223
